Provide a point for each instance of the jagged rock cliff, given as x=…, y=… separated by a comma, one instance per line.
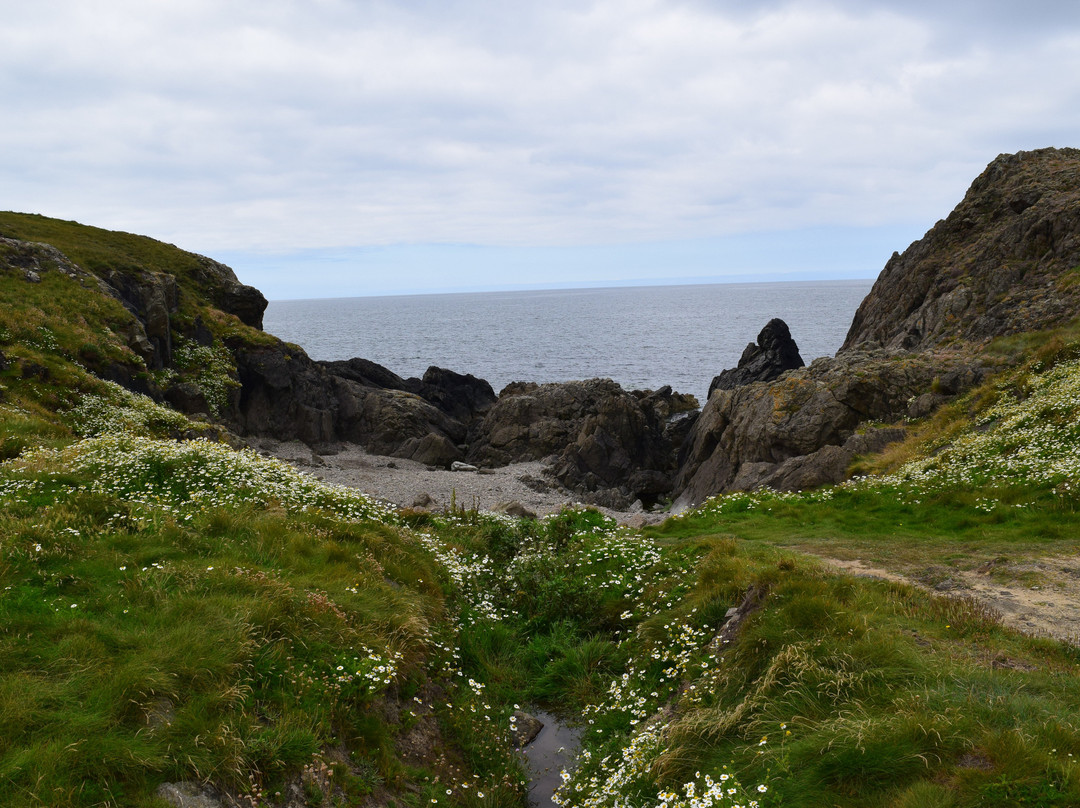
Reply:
x=1005, y=261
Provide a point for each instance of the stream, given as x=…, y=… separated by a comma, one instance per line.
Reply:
x=554, y=749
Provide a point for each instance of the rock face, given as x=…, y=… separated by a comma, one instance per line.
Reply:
x=1003, y=262
x=612, y=446
x=774, y=353
x=286, y=395
x=745, y=435
x=153, y=297
x=228, y=294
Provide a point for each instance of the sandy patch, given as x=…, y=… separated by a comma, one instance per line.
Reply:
x=406, y=483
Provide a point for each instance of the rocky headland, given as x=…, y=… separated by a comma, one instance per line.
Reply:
x=1005, y=261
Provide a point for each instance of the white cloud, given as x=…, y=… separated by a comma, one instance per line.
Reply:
x=277, y=124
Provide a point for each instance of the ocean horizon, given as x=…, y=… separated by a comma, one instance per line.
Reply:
x=641, y=336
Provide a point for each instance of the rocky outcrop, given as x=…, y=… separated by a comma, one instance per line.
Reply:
x=152, y=297
x=287, y=396
x=227, y=293
x=462, y=396
x=745, y=436
x=1003, y=262
x=774, y=354
x=611, y=446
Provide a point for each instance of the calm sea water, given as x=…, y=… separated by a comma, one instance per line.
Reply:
x=642, y=337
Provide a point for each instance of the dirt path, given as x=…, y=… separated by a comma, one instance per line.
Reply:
x=1039, y=596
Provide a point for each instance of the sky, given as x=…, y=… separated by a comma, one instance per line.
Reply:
x=329, y=148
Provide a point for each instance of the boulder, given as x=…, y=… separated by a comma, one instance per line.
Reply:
x=524, y=728
x=364, y=372
x=774, y=353
x=431, y=450
x=187, y=397
x=515, y=509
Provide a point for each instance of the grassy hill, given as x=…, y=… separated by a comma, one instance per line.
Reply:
x=177, y=611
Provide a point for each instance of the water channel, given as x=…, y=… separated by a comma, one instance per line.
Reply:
x=554, y=749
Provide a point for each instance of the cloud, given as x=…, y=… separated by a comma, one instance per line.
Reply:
x=278, y=124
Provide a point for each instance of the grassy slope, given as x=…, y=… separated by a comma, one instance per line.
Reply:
x=182, y=611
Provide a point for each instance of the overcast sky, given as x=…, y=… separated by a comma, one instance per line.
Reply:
x=344, y=147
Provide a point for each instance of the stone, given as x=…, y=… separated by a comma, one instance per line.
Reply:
x=610, y=446
x=524, y=728
x=187, y=397
x=431, y=450
x=187, y=794
x=32, y=276
x=457, y=465
x=774, y=354
x=423, y=500
x=228, y=294
x=745, y=435
x=460, y=395
x=515, y=509
x=152, y=298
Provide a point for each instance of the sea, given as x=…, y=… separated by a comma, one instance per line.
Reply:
x=643, y=337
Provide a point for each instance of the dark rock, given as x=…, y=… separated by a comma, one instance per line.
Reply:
x=33, y=370
x=383, y=421
x=536, y=484
x=423, y=500
x=610, y=446
x=365, y=372
x=284, y=395
x=460, y=395
x=245, y=302
x=201, y=334
x=152, y=297
x=924, y=405
x=188, y=398
x=228, y=294
x=774, y=353
x=828, y=465
x=524, y=728
x=431, y=450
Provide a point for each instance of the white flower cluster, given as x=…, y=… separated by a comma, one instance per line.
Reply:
x=183, y=478
x=120, y=411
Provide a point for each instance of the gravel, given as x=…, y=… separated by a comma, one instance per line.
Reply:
x=406, y=483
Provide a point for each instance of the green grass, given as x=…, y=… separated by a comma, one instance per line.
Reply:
x=176, y=610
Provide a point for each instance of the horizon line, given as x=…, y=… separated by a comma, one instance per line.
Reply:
x=740, y=280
